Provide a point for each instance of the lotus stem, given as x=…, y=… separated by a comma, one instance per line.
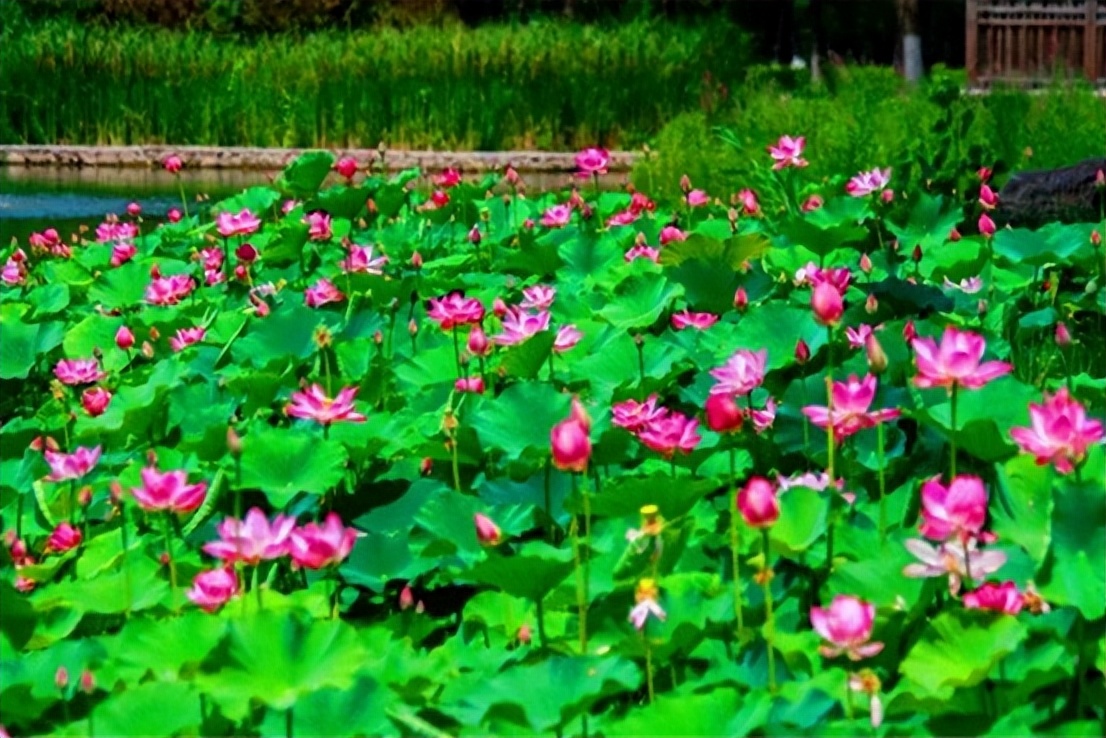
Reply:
x=169, y=555
x=769, y=616
x=648, y=666
x=735, y=548
x=183, y=199
x=952, y=433
x=882, y=484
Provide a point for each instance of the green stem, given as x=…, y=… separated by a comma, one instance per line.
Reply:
x=648, y=666
x=769, y=616
x=547, y=489
x=333, y=596
x=257, y=587
x=326, y=371
x=288, y=723
x=457, y=352
x=882, y=485
x=183, y=199
x=735, y=548
x=126, y=566
x=169, y=553
x=455, y=462
x=952, y=434
x=540, y=606
x=640, y=343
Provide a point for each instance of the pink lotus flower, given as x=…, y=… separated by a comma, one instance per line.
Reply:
x=454, y=310
x=361, y=261
x=858, y=336
x=450, y=177
x=1004, y=598
x=956, y=362
x=643, y=609
x=538, y=297
x=73, y=372
x=346, y=167
x=186, y=337
x=323, y=292
x=172, y=164
x=14, y=272
x=124, y=338
x=169, y=290
x=671, y=432
x=639, y=203
x=556, y=216
x=812, y=203
x=987, y=197
x=313, y=404
x=115, y=231
x=213, y=589
x=949, y=559
x=819, y=482
x=242, y=224
x=687, y=319
x=212, y=258
x=470, y=384
x=253, y=539
x=866, y=183
x=64, y=537
x=1060, y=432
x=569, y=441
x=788, y=152
x=122, y=252
x=318, y=226
x=168, y=491
x=813, y=275
x=986, y=226
x=642, y=252
x=847, y=625
x=95, y=401
x=593, y=161
x=624, y=218
x=519, y=325
x=635, y=416
x=697, y=198
x=850, y=413
x=487, y=532
x=670, y=234
x=723, y=414
x=174, y=215
x=742, y=373
x=478, y=343
x=763, y=419
x=758, y=504
x=71, y=466
x=1063, y=335
x=566, y=339
x=827, y=304
x=749, y=202
x=968, y=285
x=315, y=546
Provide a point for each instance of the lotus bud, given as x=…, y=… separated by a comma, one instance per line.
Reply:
x=570, y=444
x=406, y=598
x=723, y=414
x=487, y=532
x=954, y=235
x=1096, y=238
x=134, y=209
x=916, y=254
x=685, y=183
x=827, y=304
x=61, y=678
x=866, y=264
x=234, y=442
x=981, y=308
x=426, y=466
x=802, y=352
x=525, y=635
x=877, y=358
x=378, y=337
x=1063, y=336
x=412, y=327
x=84, y=496
x=147, y=350
x=478, y=342
x=741, y=299
x=909, y=333
x=124, y=339
x=986, y=225
x=871, y=305
x=887, y=195
x=758, y=504
x=1100, y=179
x=499, y=308
x=88, y=683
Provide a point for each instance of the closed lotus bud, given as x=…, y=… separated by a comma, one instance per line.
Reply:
x=1100, y=179
x=1096, y=238
x=84, y=497
x=412, y=327
x=416, y=260
x=174, y=215
x=954, y=235
x=426, y=466
x=877, y=358
x=909, y=333
x=378, y=337
x=234, y=442
x=61, y=677
x=871, y=305
x=758, y=504
x=499, y=308
x=982, y=307
x=741, y=299
x=147, y=350
x=88, y=683
x=487, y=532
x=525, y=635
x=1063, y=336
x=986, y=225
x=241, y=273
x=827, y=304
x=866, y=264
x=570, y=444
x=802, y=351
x=406, y=598
x=478, y=342
x=887, y=195
x=685, y=183
x=246, y=253
x=134, y=209
x=474, y=235
x=723, y=414
x=124, y=339
x=528, y=224
x=916, y=254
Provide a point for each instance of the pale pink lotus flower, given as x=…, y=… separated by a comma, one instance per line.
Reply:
x=643, y=609
x=252, y=540
x=670, y=234
x=687, y=319
x=14, y=272
x=986, y=225
x=847, y=625
x=592, y=161
x=213, y=588
x=538, y=297
x=566, y=339
x=487, y=532
x=519, y=325
x=1004, y=598
x=64, y=537
x=749, y=202
x=867, y=183
x=988, y=200
x=949, y=559
x=169, y=290
x=697, y=198
x=956, y=362
x=74, y=372
x=318, y=226
x=814, y=275
x=110, y=231
x=455, y=310
x=313, y=404
x=288, y=206
x=742, y=373
x=819, y=482
x=95, y=401
x=64, y=467
x=827, y=304
x=642, y=252
x=758, y=503
x=186, y=337
x=315, y=546
x=635, y=416
x=1059, y=432
x=122, y=252
x=788, y=152
x=557, y=216
x=671, y=432
x=323, y=292
x=850, y=413
x=242, y=224
x=172, y=164
x=449, y=177
x=812, y=203
x=473, y=384
x=858, y=336
x=968, y=285
x=623, y=218
x=763, y=419
x=959, y=510
x=168, y=491
x=360, y=261
x=213, y=277
x=346, y=167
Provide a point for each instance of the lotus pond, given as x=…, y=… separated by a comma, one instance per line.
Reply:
x=336, y=456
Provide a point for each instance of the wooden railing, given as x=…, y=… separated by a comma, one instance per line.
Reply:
x=1020, y=42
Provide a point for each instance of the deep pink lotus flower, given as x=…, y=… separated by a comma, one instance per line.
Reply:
x=314, y=546
x=812, y=203
x=318, y=226
x=313, y=404
x=642, y=252
x=64, y=537
x=566, y=339
x=1060, y=432
x=671, y=432
x=723, y=414
x=538, y=297
x=346, y=167
x=174, y=215
x=95, y=401
x=455, y=310
x=956, y=362
x=858, y=336
x=186, y=337
x=593, y=161
x=214, y=588
x=687, y=319
x=697, y=198
x=948, y=559
x=1004, y=598
x=122, y=252
x=71, y=466
x=814, y=275
x=987, y=197
x=866, y=183
x=788, y=152
x=252, y=540
x=172, y=163
x=635, y=416
x=827, y=304
x=361, y=261
x=242, y=224
x=640, y=202
x=556, y=216
x=758, y=504
x=78, y=371
x=168, y=491
x=519, y=325
x=749, y=202
x=623, y=218
x=487, y=532
x=323, y=292
x=986, y=225
x=847, y=625
x=450, y=177
x=850, y=413
x=569, y=441
x=470, y=384
x=742, y=373
x=169, y=290
x=671, y=234
x=763, y=419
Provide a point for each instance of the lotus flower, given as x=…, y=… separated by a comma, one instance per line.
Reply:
x=569, y=441
x=624, y=218
x=812, y=203
x=956, y=362
x=1060, y=432
x=593, y=161
x=645, y=599
x=168, y=491
x=346, y=167
x=819, y=482
x=988, y=200
x=313, y=404
x=758, y=504
x=122, y=252
x=112, y=230
x=635, y=416
x=95, y=401
x=487, y=532
x=813, y=275
x=1004, y=598
x=788, y=152
x=670, y=234
x=697, y=199
x=470, y=384
x=866, y=183
x=671, y=432
x=749, y=202
x=519, y=325
x=741, y=374
x=847, y=625
x=322, y=293
x=567, y=338
x=454, y=310
x=14, y=273
x=723, y=414
x=449, y=177
x=253, y=539
x=556, y=216
x=858, y=336
x=75, y=372
x=361, y=261
x=642, y=252
x=315, y=546
x=64, y=467
x=959, y=510
x=318, y=226
x=538, y=297
x=763, y=419
x=949, y=559
x=850, y=413
x=169, y=290
x=64, y=537
x=242, y=224
x=687, y=319
x=213, y=589
x=186, y=337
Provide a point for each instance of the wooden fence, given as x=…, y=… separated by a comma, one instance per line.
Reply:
x=1027, y=43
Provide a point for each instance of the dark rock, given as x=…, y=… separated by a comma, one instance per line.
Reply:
x=1068, y=195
